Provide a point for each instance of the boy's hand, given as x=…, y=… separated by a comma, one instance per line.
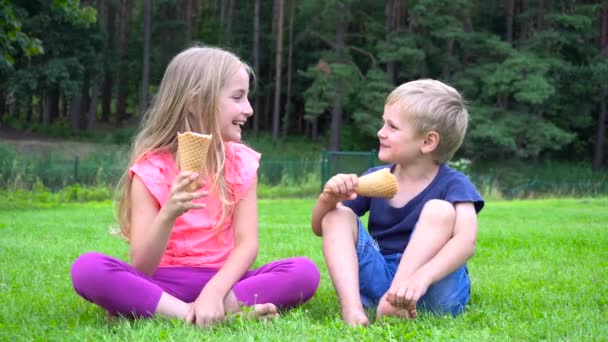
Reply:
x=406, y=294
x=341, y=187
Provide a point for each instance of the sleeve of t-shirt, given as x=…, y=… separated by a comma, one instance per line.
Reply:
x=460, y=189
x=242, y=165
x=155, y=172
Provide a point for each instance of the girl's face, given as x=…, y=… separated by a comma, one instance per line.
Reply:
x=234, y=106
x=399, y=141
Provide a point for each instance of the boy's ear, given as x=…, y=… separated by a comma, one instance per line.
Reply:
x=431, y=141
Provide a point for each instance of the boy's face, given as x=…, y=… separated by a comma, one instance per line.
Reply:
x=399, y=141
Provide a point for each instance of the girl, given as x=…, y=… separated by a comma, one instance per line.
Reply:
x=191, y=251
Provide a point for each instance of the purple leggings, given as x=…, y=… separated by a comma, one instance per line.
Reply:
x=123, y=290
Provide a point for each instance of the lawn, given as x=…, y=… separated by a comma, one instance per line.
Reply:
x=540, y=273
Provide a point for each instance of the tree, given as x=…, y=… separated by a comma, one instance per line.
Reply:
x=256, y=63
x=145, y=73
x=126, y=6
x=276, y=112
x=599, y=151
x=288, y=102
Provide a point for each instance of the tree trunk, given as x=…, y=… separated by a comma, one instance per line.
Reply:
x=599, y=151
x=510, y=11
x=467, y=28
x=2, y=104
x=189, y=26
x=525, y=23
x=29, y=109
x=75, y=111
x=449, y=47
x=389, y=28
x=256, y=65
x=145, y=72
x=46, y=112
x=108, y=82
x=336, y=110
x=92, y=112
x=123, y=73
x=276, y=112
x=288, y=103
x=541, y=15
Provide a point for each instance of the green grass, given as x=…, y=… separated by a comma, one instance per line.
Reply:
x=540, y=273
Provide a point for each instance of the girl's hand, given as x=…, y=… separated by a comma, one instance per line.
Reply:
x=341, y=187
x=180, y=199
x=206, y=310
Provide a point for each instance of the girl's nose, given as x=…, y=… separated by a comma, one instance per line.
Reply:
x=248, y=109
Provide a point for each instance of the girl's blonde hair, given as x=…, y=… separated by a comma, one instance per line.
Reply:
x=187, y=100
x=434, y=106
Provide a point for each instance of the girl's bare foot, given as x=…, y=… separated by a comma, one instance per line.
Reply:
x=263, y=311
x=386, y=309
x=355, y=318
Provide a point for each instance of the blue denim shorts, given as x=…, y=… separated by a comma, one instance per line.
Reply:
x=376, y=272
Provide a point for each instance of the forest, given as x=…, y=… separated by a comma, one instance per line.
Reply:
x=534, y=72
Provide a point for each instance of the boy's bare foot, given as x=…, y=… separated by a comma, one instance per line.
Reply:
x=386, y=309
x=355, y=318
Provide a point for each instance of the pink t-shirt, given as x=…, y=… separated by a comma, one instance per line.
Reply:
x=193, y=241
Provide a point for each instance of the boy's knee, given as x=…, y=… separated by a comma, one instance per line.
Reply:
x=439, y=212
x=339, y=216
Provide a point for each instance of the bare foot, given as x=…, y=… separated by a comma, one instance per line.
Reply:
x=386, y=309
x=263, y=311
x=355, y=318
x=110, y=317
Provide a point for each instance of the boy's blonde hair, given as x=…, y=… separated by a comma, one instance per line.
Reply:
x=187, y=100
x=434, y=106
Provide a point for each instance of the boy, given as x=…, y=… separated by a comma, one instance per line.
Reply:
x=419, y=241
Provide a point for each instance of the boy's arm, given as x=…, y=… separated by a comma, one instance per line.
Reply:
x=325, y=203
x=457, y=250
x=339, y=188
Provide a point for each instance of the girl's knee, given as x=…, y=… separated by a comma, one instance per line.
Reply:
x=85, y=269
x=307, y=276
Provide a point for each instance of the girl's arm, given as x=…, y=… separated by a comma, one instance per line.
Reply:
x=245, y=225
x=151, y=225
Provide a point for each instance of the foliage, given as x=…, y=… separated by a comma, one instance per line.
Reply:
x=13, y=41
x=532, y=95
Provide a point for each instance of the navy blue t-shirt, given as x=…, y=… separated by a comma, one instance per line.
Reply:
x=391, y=227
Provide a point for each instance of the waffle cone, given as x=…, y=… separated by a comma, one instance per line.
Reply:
x=380, y=183
x=192, y=153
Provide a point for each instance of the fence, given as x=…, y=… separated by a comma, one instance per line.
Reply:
x=55, y=171
x=334, y=162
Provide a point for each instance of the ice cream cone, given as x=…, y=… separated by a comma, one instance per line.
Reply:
x=380, y=183
x=192, y=153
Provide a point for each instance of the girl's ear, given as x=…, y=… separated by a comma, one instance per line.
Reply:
x=431, y=141
x=190, y=106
